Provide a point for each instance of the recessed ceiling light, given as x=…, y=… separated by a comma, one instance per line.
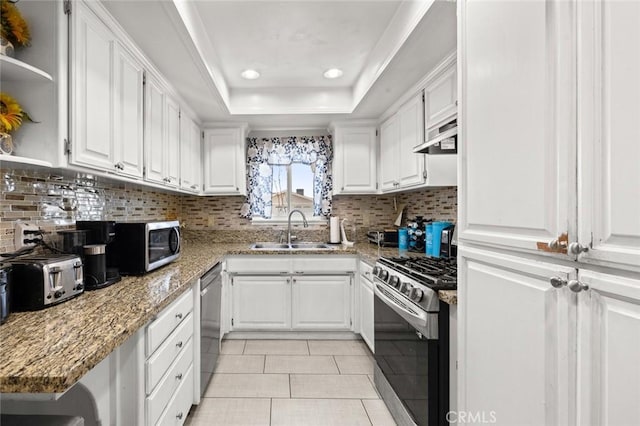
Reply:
x=333, y=73
x=250, y=74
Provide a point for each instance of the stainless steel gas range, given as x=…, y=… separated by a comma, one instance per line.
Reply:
x=412, y=337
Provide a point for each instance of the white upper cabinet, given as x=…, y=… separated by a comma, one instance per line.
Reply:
x=190, y=155
x=155, y=134
x=224, y=161
x=354, y=161
x=107, y=98
x=129, y=110
x=517, y=138
x=411, y=167
x=400, y=168
x=441, y=99
x=92, y=90
x=173, y=143
x=609, y=133
x=162, y=137
x=389, y=155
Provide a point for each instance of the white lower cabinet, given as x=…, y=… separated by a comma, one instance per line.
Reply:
x=566, y=355
x=366, y=305
x=321, y=302
x=169, y=367
x=608, y=379
x=291, y=293
x=261, y=303
x=516, y=331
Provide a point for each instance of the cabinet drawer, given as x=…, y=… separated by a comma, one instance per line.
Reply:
x=158, y=364
x=178, y=408
x=259, y=264
x=324, y=265
x=366, y=271
x=167, y=321
x=175, y=378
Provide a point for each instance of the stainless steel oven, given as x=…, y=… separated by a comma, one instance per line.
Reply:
x=412, y=348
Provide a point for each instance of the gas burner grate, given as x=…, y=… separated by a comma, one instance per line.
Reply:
x=437, y=273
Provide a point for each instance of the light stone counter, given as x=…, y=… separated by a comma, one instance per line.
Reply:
x=48, y=351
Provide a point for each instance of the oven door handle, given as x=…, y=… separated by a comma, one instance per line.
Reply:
x=421, y=320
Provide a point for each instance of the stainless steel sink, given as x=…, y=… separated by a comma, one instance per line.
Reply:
x=292, y=247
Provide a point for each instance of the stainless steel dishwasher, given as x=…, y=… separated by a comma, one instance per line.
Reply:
x=210, y=299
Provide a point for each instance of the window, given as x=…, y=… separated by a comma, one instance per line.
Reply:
x=292, y=189
x=286, y=174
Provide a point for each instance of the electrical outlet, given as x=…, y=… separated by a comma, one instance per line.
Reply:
x=24, y=231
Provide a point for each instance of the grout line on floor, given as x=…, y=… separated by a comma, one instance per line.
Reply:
x=244, y=348
x=308, y=348
x=264, y=365
x=366, y=412
x=270, y=411
x=289, y=386
x=335, y=361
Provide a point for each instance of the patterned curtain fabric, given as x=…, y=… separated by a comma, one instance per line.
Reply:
x=316, y=151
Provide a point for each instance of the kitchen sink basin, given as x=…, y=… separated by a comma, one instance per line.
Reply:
x=292, y=247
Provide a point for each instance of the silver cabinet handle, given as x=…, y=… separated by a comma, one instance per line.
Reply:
x=577, y=248
x=179, y=344
x=557, y=282
x=194, y=187
x=576, y=286
x=179, y=376
x=179, y=315
x=554, y=244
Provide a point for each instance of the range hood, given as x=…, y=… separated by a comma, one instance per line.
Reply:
x=447, y=131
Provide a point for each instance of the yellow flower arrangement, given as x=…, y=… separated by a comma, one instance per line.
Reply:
x=11, y=114
x=14, y=27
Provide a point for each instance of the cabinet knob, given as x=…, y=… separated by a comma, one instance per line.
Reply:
x=557, y=282
x=179, y=415
x=554, y=244
x=179, y=315
x=577, y=248
x=237, y=189
x=194, y=186
x=294, y=280
x=179, y=344
x=576, y=286
x=179, y=376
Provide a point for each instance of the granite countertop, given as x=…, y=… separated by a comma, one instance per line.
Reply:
x=48, y=351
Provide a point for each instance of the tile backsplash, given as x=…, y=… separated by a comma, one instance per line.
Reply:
x=54, y=200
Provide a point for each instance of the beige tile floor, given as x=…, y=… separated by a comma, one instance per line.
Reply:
x=292, y=382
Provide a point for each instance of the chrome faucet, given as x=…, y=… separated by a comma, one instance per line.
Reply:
x=304, y=222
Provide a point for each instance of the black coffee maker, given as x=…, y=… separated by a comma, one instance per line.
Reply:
x=100, y=269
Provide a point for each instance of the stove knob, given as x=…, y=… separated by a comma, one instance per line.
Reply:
x=376, y=270
x=416, y=294
x=394, y=281
x=407, y=289
x=384, y=275
x=404, y=287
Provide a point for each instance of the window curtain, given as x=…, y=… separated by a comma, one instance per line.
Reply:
x=317, y=151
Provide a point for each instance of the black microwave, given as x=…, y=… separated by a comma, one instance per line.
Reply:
x=144, y=246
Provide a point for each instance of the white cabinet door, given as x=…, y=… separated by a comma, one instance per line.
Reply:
x=517, y=135
x=261, y=303
x=517, y=339
x=609, y=106
x=190, y=155
x=354, y=163
x=224, y=165
x=155, y=130
x=321, y=302
x=389, y=139
x=172, y=167
x=92, y=99
x=366, y=312
x=128, y=143
x=441, y=99
x=410, y=165
x=608, y=382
